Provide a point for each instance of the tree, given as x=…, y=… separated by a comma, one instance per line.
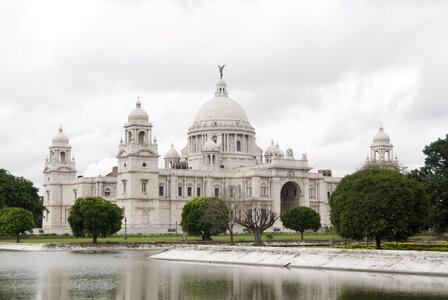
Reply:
x=19, y=192
x=15, y=220
x=94, y=217
x=233, y=197
x=434, y=176
x=378, y=204
x=301, y=218
x=257, y=221
x=205, y=216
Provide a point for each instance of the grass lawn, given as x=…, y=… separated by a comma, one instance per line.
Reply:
x=175, y=238
x=166, y=238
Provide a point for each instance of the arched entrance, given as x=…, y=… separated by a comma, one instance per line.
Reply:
x=289, y=196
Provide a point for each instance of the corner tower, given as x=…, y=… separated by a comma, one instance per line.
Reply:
x=137, y=185
x=59, y=168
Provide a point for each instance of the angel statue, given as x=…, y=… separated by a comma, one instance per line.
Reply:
x=220, y=70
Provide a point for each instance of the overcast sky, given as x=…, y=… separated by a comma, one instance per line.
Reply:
x=316, y=76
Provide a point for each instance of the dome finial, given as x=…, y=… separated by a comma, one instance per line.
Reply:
x=221, y=70
x=381, y=126
x=138, y=103
x=60, y=127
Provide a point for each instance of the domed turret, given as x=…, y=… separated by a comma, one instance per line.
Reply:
x=381, y=149
x=60, y=138
x=138, y=114
x=381, y=138
x=171, y=153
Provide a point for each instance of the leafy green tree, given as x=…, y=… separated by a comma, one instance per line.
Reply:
x=15, y=220
x=434, y=176
x=94, y=217
x=19, y=192
x=301, y=218
x=378, y=204
x=204, y=216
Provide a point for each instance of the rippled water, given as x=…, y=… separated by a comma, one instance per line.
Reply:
x=133, y=275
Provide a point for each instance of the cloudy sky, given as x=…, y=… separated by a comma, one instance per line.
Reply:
x=316, y=76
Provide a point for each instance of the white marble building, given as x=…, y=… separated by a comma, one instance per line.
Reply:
x=221, y=155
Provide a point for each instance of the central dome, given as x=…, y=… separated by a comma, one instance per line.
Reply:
x=221, y=107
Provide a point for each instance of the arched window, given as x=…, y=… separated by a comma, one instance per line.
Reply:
x=214, y=139
x=107, y=192
x=238, y=146
x=141, y=137
x=62, y=157
x=129, y=136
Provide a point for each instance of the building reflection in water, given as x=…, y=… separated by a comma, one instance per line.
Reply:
x=133, y=275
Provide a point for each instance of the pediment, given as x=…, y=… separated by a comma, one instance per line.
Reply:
x=64, y=169
x=146, y=152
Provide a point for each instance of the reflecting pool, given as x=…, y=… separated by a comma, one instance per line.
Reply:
x=133, y=275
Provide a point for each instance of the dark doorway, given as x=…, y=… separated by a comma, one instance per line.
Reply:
x=289, y=196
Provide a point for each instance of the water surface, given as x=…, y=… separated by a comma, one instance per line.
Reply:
x=132, y=274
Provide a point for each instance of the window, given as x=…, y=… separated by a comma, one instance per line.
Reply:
x=249, y=191
x=144, y=182
x=160, y=190
x=216, y=192
x=328, y=195
x=75, y=194
x=189, y=191
x=141, y=137
x=312, y=192
x=231, y=191
x=179, y=191
x=107, y=192
x=62, y=156
x=238, y=146
x=198, y=192
x=263, y=191
x=144, y=165
x=124, y=186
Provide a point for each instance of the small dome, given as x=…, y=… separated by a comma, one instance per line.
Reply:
x=138, y=114
x=271, y=149
x=211, y=146
x=171, y=153
x=60, y=138
x=274, y=150
x=381, y=138
x=279, y=151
